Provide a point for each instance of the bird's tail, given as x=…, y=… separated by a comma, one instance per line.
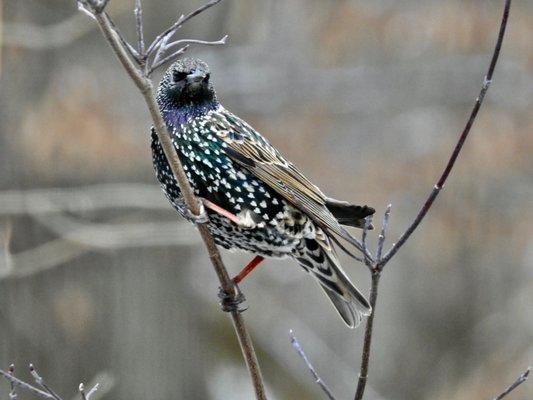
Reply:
x=319, y=259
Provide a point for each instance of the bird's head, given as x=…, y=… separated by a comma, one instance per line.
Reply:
x=186, y=83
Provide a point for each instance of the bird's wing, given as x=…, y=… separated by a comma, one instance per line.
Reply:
x=251, y=150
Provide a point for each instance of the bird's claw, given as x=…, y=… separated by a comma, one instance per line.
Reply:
x=232, y=302
x=201, y=218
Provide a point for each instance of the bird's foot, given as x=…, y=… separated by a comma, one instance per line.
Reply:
x=232, y=302
x=201, y=218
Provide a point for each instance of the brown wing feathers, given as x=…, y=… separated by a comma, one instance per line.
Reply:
x=252, y=151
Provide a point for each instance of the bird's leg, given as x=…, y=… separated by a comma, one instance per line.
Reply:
x=232, y=302
x=248, y=268
x=243, y=223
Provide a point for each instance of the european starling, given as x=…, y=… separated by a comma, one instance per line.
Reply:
x=277, y=211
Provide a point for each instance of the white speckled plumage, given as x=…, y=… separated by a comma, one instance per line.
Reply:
x=230, y=164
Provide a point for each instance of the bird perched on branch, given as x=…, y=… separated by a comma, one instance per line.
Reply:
x=255, y=199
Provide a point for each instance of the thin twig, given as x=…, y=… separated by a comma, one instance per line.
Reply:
x=317, y=377
x=160, y=50
x=521, y=379
x=163, y=47
x=12, y=392
x=40, y=381
x=366, y=250
x=81, y=389
x=365, y=358
x=132, y=52
x=167, y=59
x=381, y=237
x=139, y=25
x=181, y=20
x=218, y=42
x=144, y=84
x=451, y=162
x=92, y=391
x=17, y=382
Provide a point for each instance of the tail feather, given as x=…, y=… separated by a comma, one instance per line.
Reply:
x=349, y=214
x=319, y=259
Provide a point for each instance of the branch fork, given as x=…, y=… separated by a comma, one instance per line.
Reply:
x=376, y=264
x=160, y=51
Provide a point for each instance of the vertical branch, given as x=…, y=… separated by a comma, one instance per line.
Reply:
x=365, y=358
x=366, y=251
x=376, y=275
x=139, y=25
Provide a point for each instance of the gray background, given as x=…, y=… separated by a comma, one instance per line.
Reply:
x=98, y=275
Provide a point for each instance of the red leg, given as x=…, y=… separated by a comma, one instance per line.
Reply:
x=249, y=268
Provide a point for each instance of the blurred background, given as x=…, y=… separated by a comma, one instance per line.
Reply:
x=100, y=279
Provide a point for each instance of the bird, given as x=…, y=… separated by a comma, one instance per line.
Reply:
x=256, y=200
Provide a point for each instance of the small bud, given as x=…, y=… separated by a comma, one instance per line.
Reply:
x=11, y=369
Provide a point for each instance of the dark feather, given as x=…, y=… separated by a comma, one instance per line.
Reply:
x=255, y=153
x=349, y=214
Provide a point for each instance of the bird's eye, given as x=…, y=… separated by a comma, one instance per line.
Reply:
x=178, y=76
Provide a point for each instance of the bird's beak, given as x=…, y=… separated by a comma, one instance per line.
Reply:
x=195, y=77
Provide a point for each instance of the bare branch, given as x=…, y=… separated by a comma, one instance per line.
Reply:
x=317, y=377
x=365, y=358
x=381, y=262
x=92, y=391
x=145, y=86
x=160, y=50
x=26, y=386
x=451, y=162
x=167, y=59
x=81, y=389
x=381, y=238
x=100, y=385
x=132, y=52
x=139, y=25
x=521, y=379
x=48, y=393
x=180, y=42
x=12, y=393
x=163, y=47
x=40, y=381
x=181, y=20
x=366, y=250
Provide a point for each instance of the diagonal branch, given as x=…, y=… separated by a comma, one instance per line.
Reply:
x=462, y=138
x=521, y=379
x=17, y=382
x=380, y=261
x=167, y=59
x=144, y=84
x=312, y=369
